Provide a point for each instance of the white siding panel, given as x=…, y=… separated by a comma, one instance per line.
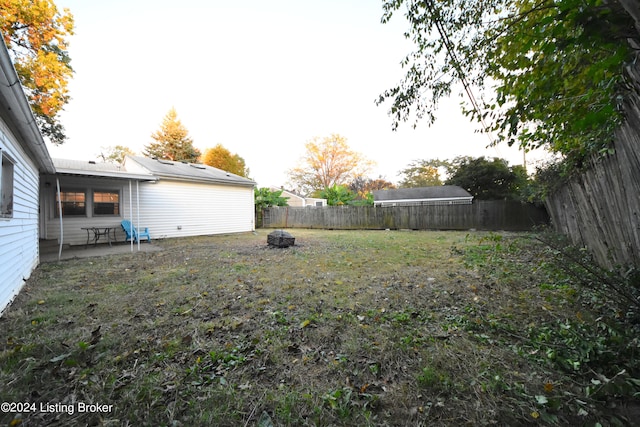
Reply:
x=178, y=209
x=167, y=208
x=73, y=234
x=19, y=234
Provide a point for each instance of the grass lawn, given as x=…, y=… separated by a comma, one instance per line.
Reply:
x=345, y=328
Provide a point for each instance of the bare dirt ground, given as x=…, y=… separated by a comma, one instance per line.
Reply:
x=344, y=328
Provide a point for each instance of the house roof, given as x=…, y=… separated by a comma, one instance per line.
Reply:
x=17, y=114
x=439, y=192
x=184, y=171
x=103, y=170
x=285, y=193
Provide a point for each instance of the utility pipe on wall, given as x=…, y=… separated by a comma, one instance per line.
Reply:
x=131, y=215
x=60, y=215
x=138, y=208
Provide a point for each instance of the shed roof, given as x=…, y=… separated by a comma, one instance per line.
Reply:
x=185, y=171
x=422, y=193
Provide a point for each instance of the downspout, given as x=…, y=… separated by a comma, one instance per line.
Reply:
x=60, y=215
x=131, y=215
x=138, y=208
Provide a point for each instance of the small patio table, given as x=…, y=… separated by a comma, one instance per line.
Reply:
x=94, y=234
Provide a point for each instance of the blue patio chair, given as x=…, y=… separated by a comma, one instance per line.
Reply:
x=131, y=232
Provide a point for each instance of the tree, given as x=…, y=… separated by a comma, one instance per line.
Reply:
x=367, y=200
x=484, y=179
x=327, y=162
x=115, y=154
x=363, y=188
x=221, y=158
x=361, y=185
x=36, y=33
x=422, y=173
x=557, y=68
x=522, y=187
x=337, y=195
x=172, y=141
x=264, y=198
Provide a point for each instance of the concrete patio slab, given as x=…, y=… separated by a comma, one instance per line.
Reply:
x=96, y=251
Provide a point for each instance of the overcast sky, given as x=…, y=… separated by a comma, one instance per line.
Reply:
x=261, y=78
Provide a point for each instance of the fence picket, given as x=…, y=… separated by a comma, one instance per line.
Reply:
x=481, y=215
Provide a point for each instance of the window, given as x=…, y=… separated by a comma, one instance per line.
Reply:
x=73, y=203
x=106, y=202
x=6, y=188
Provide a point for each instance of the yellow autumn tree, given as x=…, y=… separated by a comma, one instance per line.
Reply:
x=327, y=162
x=172, y=141
x=221, y=158
x=36, y=32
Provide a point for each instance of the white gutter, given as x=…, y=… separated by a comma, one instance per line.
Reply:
x=439, y=199
x=106, y=174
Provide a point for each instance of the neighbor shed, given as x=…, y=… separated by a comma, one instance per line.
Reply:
x=423, y=196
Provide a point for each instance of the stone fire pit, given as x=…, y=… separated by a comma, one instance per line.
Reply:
x=280, y=239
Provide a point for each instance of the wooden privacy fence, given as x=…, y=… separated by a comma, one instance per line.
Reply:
x=481, y=215
x=600, y=209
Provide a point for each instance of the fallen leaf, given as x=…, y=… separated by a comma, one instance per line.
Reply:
x=265, y=420
x=60, y=357
x=95, y=336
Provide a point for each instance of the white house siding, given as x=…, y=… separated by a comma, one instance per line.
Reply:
x=19, y=234
x=197, y=208
x=73, y=234
x=178, y=208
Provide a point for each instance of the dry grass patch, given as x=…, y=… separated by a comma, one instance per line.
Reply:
x=344, y=328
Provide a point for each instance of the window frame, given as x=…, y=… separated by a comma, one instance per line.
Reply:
x=94, y=204
x=65, y=215
x=7, y=180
